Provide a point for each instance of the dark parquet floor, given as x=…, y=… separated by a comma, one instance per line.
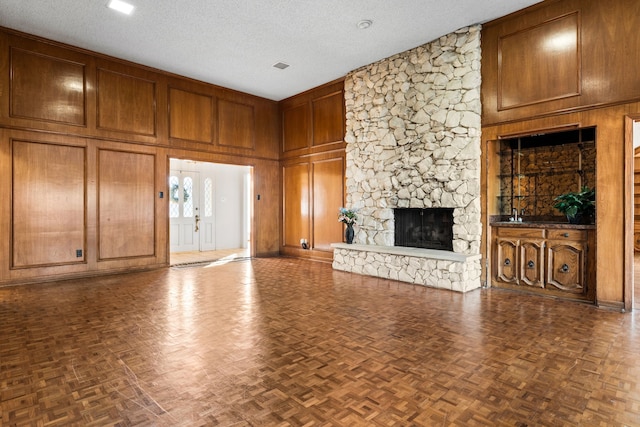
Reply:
x=286, y=342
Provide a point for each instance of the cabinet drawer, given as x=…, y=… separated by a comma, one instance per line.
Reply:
x=520, y=232
x=567, y=234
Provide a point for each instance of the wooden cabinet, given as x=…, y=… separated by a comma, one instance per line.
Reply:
x=566, y=257
x=553, y=261
x=519, y=257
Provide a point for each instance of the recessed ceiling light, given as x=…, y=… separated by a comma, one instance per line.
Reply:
x=120, y=6
x=280, y=65
x=365, y=23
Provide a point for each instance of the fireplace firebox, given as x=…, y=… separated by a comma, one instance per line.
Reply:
x=429, y=228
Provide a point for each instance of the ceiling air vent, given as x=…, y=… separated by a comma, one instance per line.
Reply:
x=280, y=65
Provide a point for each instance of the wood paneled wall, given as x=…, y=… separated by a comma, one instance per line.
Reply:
x=85, y=141
x=48, y=200
x=313, y=170
x=560, y=56
x=565, y=64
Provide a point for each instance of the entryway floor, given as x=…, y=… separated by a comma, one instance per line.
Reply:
x=200, y=257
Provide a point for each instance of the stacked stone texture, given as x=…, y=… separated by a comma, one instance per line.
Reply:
x=413, y=138
x=443, y=274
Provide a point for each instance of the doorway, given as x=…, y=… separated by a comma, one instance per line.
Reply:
x=632, y=223
x=210, y=211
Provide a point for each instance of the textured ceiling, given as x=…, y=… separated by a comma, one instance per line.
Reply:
x=235, y=43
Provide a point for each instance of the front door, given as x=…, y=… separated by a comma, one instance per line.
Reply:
x=184, y=211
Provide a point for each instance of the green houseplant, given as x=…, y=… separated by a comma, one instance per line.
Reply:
x=349, y=217
x=579, y=207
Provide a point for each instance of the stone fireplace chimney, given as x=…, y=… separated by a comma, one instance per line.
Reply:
x=413, y=141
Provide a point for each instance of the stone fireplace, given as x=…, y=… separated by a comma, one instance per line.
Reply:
x=413, y=142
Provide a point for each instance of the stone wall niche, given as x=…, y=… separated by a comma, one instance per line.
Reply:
x=413, y=141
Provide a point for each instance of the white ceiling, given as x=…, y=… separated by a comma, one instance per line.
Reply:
x=235, y=43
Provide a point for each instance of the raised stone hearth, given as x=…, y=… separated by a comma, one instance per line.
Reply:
x=429, y=267
x=413, y=141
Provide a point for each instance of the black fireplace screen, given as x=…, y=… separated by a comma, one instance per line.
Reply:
x=430, y=228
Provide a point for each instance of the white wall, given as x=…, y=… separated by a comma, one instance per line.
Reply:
x=230, y=204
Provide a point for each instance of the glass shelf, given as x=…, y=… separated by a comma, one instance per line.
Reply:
x=535, y=169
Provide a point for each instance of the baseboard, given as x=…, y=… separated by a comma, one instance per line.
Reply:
x=611, y=305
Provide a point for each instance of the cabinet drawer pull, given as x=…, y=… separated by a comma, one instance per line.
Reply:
x=565, y=268
x=566, y=234
x=507, y=261
x=531, y=264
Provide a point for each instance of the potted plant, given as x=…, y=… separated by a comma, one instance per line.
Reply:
x=349, y=217
x=579, y=207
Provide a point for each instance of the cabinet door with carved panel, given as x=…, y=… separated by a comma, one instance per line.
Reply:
x=531, y=263
x=566, y=266
x=506, y=255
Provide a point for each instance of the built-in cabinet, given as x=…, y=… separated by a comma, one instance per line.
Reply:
x=574, y=74
x=555, y=261
x=520, y=257
x=533, y=247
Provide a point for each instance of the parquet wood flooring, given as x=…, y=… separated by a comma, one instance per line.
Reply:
x=287, y=342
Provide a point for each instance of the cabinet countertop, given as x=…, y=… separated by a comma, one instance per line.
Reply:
x=543, y=224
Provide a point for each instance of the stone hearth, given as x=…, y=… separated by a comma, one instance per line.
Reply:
x=413, y=141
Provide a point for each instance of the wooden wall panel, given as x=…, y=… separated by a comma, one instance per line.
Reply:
x=236, y=124
x=328, y=197
x=328, y=118
x=190, y=116
x=125, y=103
x=47, y=88
x=295, y=204
x=538, y=79
x=540, y=63
x=313, y=135
x=126, y=200
x=48, y=200
x=295, y=128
